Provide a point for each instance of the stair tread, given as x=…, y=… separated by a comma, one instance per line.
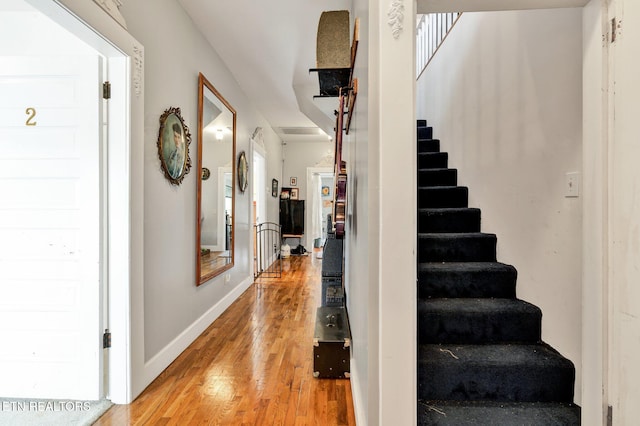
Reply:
x=476, y=305
x=435, y=160
x=436, y=170
x=443, y=196
x=455, y=235
x=478, y=321
x=446, y=187
x=449, y=219
x=456, y=247
x=464, y=266
x=447, y=209
x=492, y=355
x=467, y=413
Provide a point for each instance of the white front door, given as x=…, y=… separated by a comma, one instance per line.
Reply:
x=50, y=227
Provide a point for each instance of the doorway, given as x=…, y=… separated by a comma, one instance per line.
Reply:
x=259, y=185
x=52, y=243
x=320, y=192
x=97, y=185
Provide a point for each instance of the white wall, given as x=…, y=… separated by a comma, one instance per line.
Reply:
x=175, y=310
x=359, y=282
x=505, y=98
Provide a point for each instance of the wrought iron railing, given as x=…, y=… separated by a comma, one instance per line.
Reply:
x=431, y=30
x=267, y=260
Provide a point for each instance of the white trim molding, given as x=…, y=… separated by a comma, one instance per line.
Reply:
x=136, y=69
x=358, y=396
x=112, y=7
x=396, y=18
x=258, y=137
x=169, y=353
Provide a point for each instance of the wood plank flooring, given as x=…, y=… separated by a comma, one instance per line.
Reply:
x=252, y=366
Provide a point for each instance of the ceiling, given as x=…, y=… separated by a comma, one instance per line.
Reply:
x=269, y=47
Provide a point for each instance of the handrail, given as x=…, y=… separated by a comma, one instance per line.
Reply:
x=431, y=30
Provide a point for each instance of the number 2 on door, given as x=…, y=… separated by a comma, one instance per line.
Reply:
x=31, y=112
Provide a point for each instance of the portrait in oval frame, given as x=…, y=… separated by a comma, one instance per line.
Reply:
x=173, y=146
x=243, y=172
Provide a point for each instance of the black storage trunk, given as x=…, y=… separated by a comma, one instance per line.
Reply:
x=331, y=343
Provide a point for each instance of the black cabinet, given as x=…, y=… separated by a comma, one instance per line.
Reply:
x=292, y=217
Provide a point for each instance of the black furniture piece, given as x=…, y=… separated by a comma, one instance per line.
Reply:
x=292, y=217
x=331, y=343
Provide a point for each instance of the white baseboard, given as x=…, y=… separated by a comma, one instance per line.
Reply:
x=169, y=353
x=358, y=397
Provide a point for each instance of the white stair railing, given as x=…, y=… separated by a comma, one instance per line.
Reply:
x=431, y=30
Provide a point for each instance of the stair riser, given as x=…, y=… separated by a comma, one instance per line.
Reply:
x=478, y=328
x=428, y=145
x=433, y=160
x=437, y=177
x=430, y=413
x=460, y=284
x=469, y=249
x=449, y=221
x=425, y=133
x=460, y=382
x=443, y=197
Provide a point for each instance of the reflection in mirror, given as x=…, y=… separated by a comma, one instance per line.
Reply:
x=216, y=154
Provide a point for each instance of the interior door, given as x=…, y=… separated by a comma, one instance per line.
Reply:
x=50, y=227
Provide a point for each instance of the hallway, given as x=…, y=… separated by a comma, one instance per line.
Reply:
x=252, y=366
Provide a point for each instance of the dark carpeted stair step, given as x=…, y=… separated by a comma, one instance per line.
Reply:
x=449, y=220
x=437, y=177
x=421, y=123
x=425, y=132
x=443, y=196
x=458, y=247
x=428, y=145
x=515, y=373
x=433, y=160
x=476, y=413
x=466, y=279
x=478, y=321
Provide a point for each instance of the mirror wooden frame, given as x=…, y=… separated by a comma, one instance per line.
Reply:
x=201, y=278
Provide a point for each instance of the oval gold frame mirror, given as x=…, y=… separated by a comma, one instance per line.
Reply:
x=216, y=194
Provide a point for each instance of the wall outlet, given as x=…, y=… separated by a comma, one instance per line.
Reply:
x=572, y=185
x=227, y=278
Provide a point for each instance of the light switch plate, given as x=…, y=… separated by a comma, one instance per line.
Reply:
x=572, y=185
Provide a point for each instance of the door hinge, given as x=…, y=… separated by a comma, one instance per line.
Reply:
x=106, y=90
x=609, y=415
x=616, y=29
x=106, y=339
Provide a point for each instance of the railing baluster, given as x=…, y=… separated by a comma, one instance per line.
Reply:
x=268, y=263
x=431, y=30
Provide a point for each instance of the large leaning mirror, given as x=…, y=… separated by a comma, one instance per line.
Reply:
x=216, y=183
